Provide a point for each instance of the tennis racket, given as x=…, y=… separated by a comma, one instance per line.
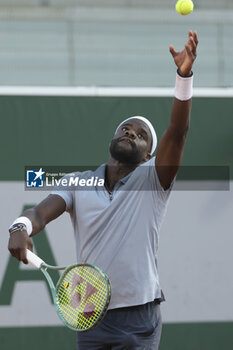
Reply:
x=81, y=295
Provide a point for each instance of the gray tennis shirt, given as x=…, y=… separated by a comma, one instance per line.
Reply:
x=119, y=232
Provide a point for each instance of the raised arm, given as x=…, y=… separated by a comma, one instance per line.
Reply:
x=49, y=209
x=170, y=149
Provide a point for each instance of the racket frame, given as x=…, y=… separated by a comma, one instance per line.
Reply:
x=43, y=268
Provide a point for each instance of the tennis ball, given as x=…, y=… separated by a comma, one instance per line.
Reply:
x=184, y=7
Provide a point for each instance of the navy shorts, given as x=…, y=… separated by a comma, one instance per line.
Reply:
x=136, y=328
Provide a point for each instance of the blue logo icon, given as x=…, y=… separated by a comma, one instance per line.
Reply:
x=35, y=178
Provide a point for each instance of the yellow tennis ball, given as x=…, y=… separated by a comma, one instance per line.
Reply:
x=184, y=7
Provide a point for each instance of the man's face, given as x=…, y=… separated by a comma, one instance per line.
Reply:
x=132, y=142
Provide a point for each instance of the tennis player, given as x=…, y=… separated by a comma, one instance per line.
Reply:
x=116, y=227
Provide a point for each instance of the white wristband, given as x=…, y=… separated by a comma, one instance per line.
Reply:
x=24, y=220
x=183, y=87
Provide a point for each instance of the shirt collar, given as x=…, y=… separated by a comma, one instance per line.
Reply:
x=100, y=173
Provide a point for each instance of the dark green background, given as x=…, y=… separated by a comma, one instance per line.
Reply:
x=77, y=130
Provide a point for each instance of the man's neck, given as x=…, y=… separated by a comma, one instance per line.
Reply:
x=116, y=171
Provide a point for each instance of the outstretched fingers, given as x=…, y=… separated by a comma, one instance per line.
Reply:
x=172, y=50
x=195, y=37
x=191, y=45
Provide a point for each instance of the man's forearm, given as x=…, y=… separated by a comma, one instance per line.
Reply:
x=31, y=222
x=181, y=109
x=180, y=117
x=38, y=223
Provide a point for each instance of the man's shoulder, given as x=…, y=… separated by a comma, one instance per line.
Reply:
x=146, y=167
x=83, y=179
x=84, y=173
x=150, y=162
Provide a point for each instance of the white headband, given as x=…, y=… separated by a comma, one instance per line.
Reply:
x=150, y=126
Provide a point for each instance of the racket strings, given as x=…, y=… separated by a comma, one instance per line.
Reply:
x=83, y=295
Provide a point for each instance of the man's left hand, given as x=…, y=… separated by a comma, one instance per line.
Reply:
x=185, y=58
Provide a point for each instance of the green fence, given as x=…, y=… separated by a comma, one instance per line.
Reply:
x=77, y=131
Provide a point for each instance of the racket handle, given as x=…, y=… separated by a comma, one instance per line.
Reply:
x=34, y=259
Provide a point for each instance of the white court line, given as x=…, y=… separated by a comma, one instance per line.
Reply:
x=97, y=91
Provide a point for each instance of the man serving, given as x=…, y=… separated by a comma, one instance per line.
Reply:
x=117, y=226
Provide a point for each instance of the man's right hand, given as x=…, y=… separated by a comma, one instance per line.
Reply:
x=19, y=241
x=47, y=210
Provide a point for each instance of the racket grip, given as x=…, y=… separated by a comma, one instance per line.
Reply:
x=34, y=259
